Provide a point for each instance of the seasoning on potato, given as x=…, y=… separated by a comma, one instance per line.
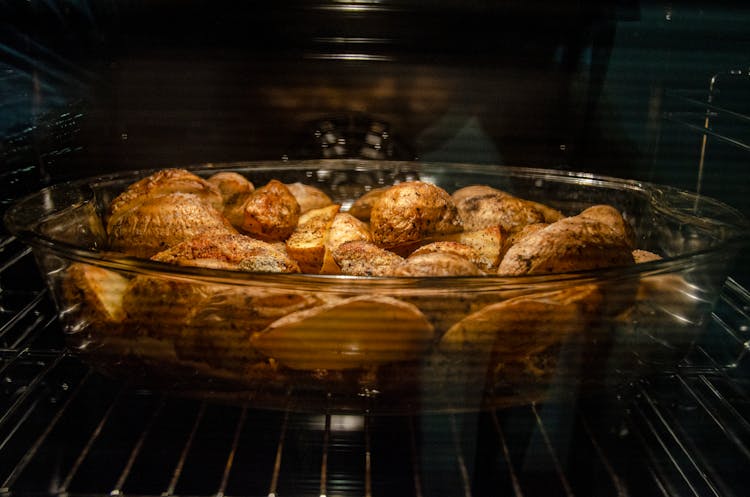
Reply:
x=410, y=212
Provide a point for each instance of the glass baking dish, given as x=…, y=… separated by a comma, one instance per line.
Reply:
x=397, y=343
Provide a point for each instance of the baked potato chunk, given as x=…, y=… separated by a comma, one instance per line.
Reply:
x=309, y=197
x=94, y=294
x=344, y=228
x=228, y=251
x=231, y=185
x=482, y=206
x=438, y=263
x=307, y=242
x=360, y=332
x=572, y=244
x=410, y=212
x=362, y=206
x=164, y=182
x=362, y=258
x=487, y=243
x=606, y=214
x=514, y=331
x=161, y=221
x=270, y=213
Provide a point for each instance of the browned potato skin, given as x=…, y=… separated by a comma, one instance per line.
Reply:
x=307, y=242
x=161, y=221
x=324, y=338
x=517, y=235
x=438, y=263
x=164, y=182
x=309, y=197
x=571, y=244
x=228, y=251
x=515, y=330
x=641, y=256
x=492, y=209
x=270, y=213
x=231, y=185
x=410, y=212
x=487, y=244
x=344, y=228
x=94, y=295
x=362, y=206
x=362, y=258
x=606, y=214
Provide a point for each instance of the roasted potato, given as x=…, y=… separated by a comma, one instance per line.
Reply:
x=514, y=331
x=362, y=206
x=94, y=295
x=309, y=197
x=270, y=213
x=344, y=228
x=362, y=258
x=323, y=338
x=438, y=263
x=487, y=243
x=571, y=244
x=410, y=212
x=606, y=214
x=164, y=182
x=482, y=206
x=228, y=251
x=161, y=221
x=307, y=242
x=231, y=185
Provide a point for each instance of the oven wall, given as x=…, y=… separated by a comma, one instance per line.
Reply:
x=92, y=87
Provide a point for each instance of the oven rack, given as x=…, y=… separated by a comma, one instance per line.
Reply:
x=67, y=431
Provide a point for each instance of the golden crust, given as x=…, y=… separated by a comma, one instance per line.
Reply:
x=270, y=213
x=231, y=185
x=164, y=182
x=571, y=244
x=441, y=262
x=344, y=228
x=308, y=197
x=161, y=221
x=362, y=258
x=362, y=206
x=410, y=212
x=307, y=242
x=228, y=251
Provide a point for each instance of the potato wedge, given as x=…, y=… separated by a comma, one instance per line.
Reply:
x=270, y=213
x=94, y=293
x=362, y=258
x=231, y=185
x=487, y=244
x=161, y=221
x=410, y=212
x=359, y=332
x=306, y=244
x=164, y=182
x=438, y=263
x=228, y=251
x=362, y=206
x=606, y=214
x=515, y=330
x=308, y=197
x=571, y=244
x=344, y=228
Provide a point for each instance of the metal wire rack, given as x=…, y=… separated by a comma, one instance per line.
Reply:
x=66, y=430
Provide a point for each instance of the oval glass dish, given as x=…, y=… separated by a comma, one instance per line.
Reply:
x=385, y=344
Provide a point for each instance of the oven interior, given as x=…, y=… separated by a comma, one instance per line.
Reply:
x=655, y=91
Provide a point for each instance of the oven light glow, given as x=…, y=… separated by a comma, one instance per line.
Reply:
x=351, y=56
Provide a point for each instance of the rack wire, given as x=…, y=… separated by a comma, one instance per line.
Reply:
x=66, y=430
